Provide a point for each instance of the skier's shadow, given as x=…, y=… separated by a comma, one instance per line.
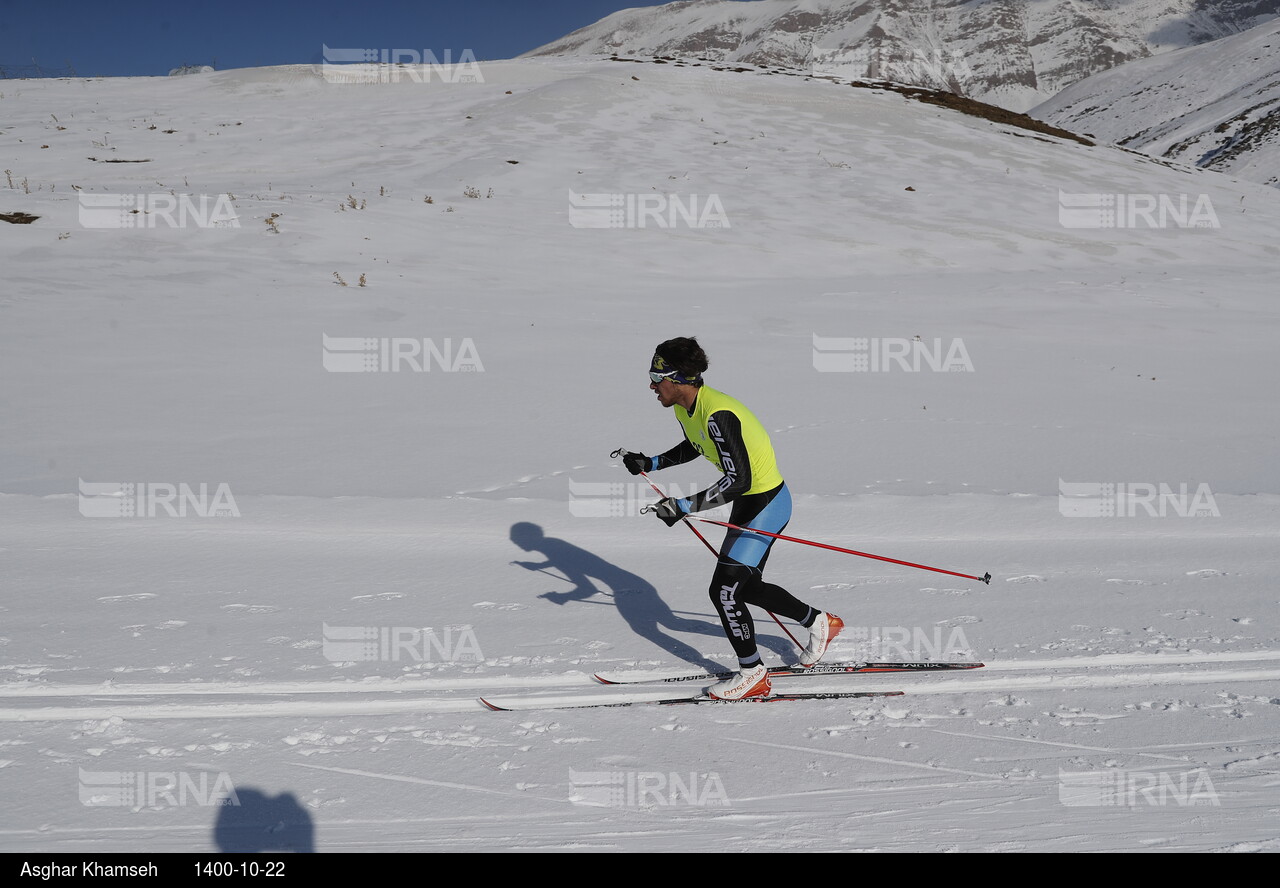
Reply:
x=253, y=822
x=637, y=600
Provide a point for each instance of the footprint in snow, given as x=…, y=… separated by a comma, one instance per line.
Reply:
x=1207, y=572
x=136, y=596
x=1026, y=578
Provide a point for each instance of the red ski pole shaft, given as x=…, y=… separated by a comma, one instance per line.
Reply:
x=695, y=530
x=986, y=578
x=699, y=535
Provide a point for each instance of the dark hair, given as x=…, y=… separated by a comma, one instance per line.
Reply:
x=685, y=355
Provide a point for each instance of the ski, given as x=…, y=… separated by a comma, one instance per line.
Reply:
x=785, y=671
x=530, y=703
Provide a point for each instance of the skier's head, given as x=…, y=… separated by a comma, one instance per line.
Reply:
x=675, y=373
x=680, y=360
x=526, y=535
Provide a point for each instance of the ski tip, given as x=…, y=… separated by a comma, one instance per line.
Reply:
x=604, y=681
x=490, y=706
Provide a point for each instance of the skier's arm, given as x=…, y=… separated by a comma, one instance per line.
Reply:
x=733, y=460
x=682, y=453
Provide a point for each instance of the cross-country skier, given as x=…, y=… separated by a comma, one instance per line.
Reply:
x=726, y=433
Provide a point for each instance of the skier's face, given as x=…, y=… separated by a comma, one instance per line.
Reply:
x=666, y=391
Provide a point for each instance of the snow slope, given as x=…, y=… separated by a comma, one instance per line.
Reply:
x=1216, y=106
x=1012, y=53
x=1139, y=649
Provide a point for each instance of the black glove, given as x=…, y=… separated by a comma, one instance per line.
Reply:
x=635, y=462
x=668, y=509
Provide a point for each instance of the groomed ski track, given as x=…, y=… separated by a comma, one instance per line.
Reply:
x=233, y=700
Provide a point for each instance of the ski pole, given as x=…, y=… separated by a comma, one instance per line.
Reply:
x=696, y=532
x=985, y=578
x=699, y=535
x=547, y=572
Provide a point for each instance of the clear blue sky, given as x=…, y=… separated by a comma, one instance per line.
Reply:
x=145, y=37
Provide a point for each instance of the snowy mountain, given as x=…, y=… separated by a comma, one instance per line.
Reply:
x=309, y=395
x=1216, y=106
x=1012, y=53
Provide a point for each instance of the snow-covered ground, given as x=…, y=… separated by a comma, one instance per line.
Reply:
x=1012, y=53
x=1127, y=700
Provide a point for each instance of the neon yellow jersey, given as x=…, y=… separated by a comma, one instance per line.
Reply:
x=702, y=431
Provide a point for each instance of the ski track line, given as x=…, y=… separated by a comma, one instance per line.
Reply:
x=400, y=778
x=1247, y=847
x=568, y=679
x=862, y=788
x=985, y=775
x=1105, y=681
x=1099, y=661
x=1224, y=745
x=923, y=687
x=255, y=707
x=288, y=688
x=202, y=830
x=276, y=709
x=1207, y=743
x=1179, y=658
x=1068, y=747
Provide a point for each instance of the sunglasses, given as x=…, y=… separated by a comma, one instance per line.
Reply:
x=656, y=378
